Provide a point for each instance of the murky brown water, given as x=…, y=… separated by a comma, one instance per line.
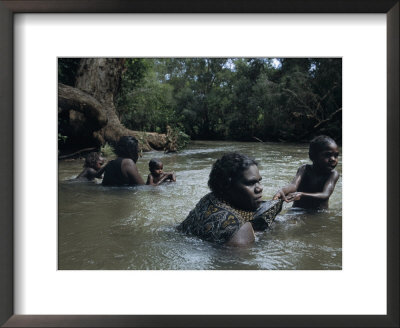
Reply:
x=134, y=227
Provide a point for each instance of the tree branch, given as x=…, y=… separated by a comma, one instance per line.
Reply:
x=75, y=99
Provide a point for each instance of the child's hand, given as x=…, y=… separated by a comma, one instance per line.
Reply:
x=172, y=176
x=280, y=195
x=294, y=196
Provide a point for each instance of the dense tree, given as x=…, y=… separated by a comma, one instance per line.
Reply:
x=289, y=99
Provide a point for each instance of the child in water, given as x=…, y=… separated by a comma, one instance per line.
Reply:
x=92, y=168
x=157, y=176
x=313, y=184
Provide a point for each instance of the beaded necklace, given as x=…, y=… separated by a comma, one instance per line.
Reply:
x=246, y=215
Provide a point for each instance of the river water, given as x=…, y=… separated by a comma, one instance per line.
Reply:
x=133, y=228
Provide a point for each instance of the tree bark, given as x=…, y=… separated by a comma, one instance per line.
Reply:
x=70, y=98
x=97, y=84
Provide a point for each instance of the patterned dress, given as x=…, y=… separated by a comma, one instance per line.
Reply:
x=216, y=221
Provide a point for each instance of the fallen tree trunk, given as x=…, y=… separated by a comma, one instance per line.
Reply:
x=89, y=108
x=76, y=153
x=70, y=98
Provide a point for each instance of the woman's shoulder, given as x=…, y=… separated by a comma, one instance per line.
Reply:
x=218, y=207
x=113, y=162
x=127, y=161
x=209, y=198
x=210, y=205
x=211, y=220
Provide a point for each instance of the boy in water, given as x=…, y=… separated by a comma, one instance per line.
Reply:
x=313, y=184
x=92, y=168
x=157, y=176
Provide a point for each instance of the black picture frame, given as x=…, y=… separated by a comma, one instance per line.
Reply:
x=10, y=7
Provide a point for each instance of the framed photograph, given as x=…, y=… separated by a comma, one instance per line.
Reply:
x=35, y=292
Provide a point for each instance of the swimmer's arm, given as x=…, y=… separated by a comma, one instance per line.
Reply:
x=88, y=173
x=326, y=192
x=150, y=180
x=166, y=176
x=91, y=173
x=292, y=187
x=129, y=168
x=244, y=236
x=83, y=174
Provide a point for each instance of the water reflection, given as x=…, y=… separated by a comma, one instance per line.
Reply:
x=134, y=227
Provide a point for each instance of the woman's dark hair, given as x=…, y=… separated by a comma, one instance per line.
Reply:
x=91, y=160
x=227, y=170
x=127, y=147
x=154, y=163
x=318, y=144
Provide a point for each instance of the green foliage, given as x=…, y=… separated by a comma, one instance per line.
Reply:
x=144, y=103
x=62, y=134
x=108, y=151
x=233, y=98
x=61, y=138
x=67, y=69
x=176, y=139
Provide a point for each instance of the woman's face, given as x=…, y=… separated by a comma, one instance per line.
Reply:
x=246, y=192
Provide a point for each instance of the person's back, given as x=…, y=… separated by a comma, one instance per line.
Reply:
x=113, y=174
x=123, y=171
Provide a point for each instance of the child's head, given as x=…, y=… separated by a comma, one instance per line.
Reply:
x=128, y=147
x=156, y=167
x=94, y=161
x=324, y=152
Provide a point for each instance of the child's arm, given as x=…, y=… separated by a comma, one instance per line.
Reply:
x=326, y=192
x=88, y=173
x=166, y=176
x=150, y=180
x=292, y=187
x=83, y=174
x=171, y=176
x=91, y=173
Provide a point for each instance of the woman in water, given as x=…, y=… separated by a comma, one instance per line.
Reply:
x=123, y=170
x=226, y=215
